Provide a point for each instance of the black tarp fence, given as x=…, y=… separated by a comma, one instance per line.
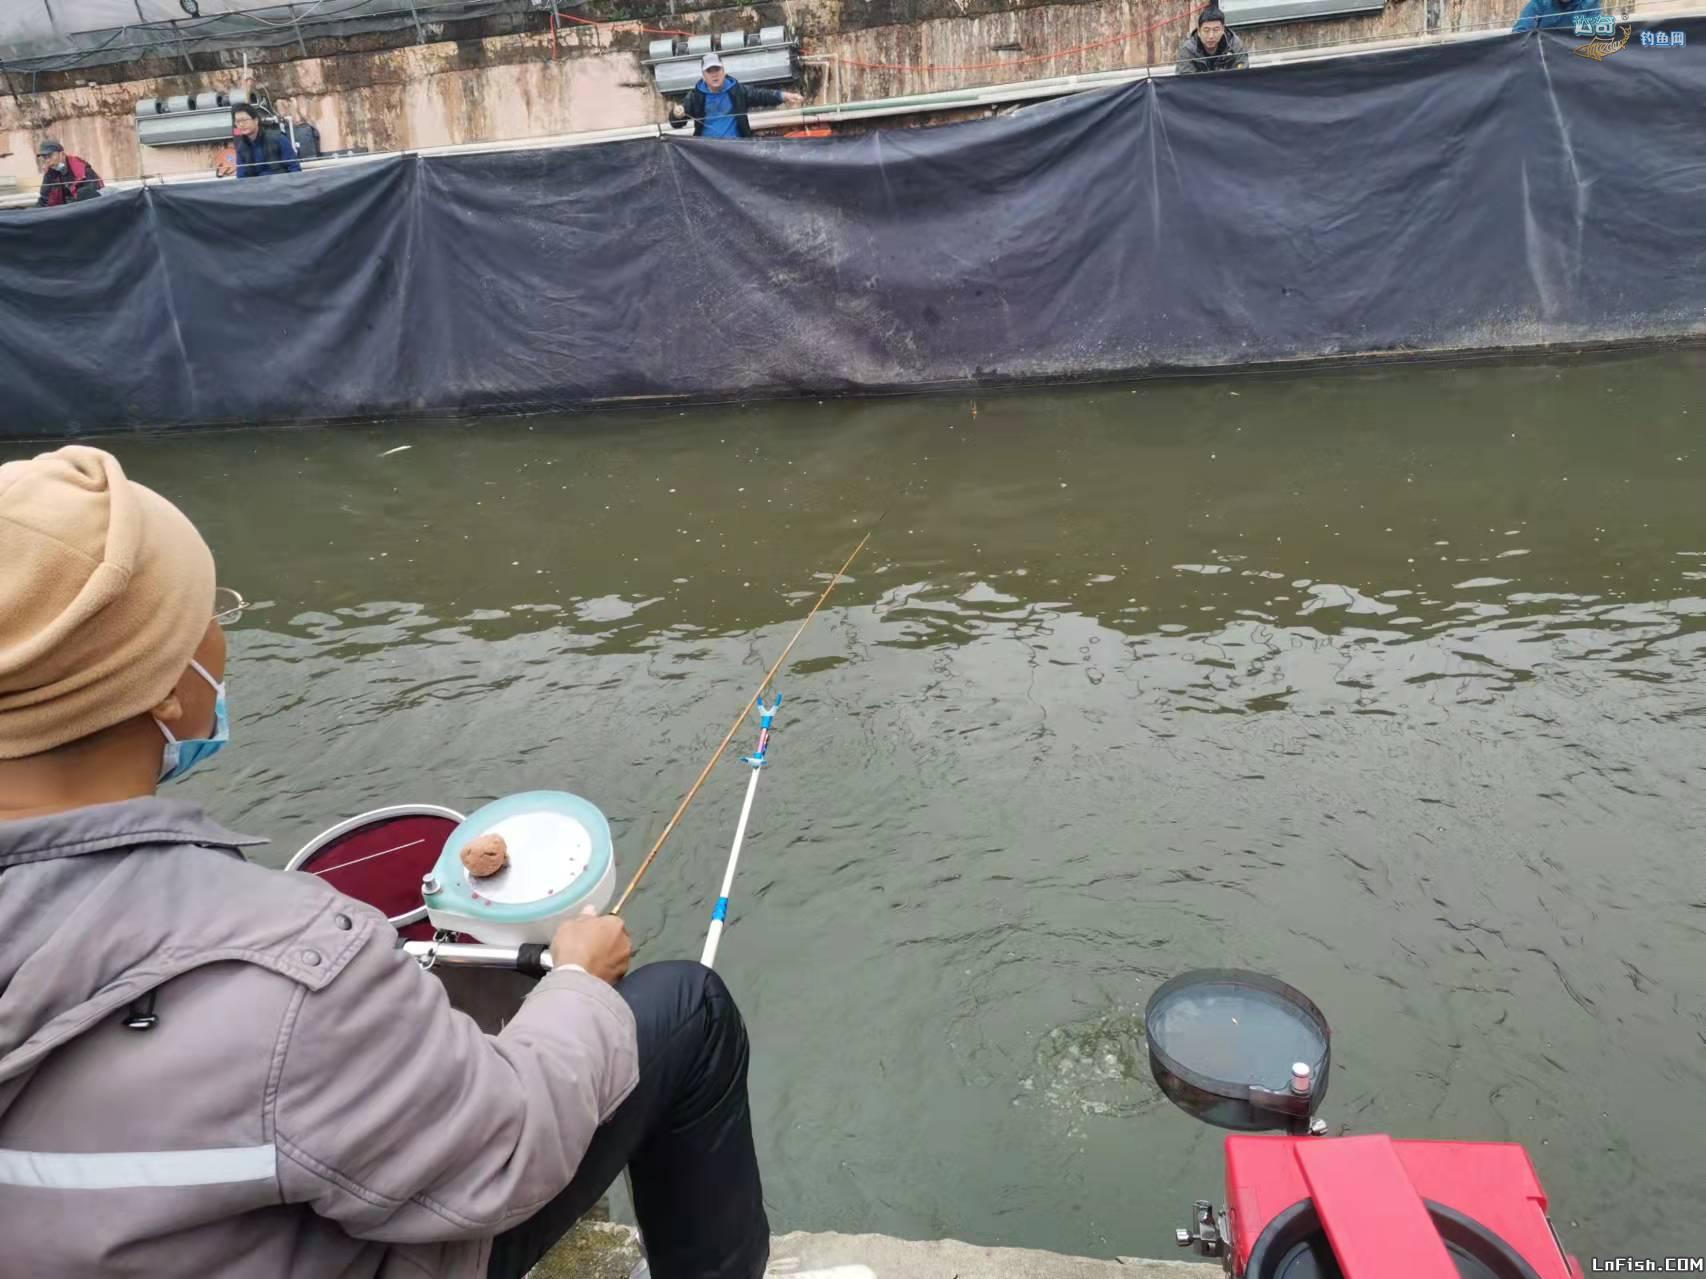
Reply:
x=1499, y=193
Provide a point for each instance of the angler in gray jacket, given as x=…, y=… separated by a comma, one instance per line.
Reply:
x=209, y=1068
x=1212, y=46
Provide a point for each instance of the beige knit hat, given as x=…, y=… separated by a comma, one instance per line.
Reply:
x=106, y=590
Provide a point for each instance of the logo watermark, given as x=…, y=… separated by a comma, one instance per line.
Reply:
x=1601, y=27
x=1605, y=37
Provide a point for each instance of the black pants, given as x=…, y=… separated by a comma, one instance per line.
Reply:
x=685, y=1135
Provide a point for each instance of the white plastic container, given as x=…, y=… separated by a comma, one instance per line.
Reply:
x=560, y=862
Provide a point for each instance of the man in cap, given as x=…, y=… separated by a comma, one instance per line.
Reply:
x=211, y=1068
x=1211, y=47
x=719, y=105
x=65, y=179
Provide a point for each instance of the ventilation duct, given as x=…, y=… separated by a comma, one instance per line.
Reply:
x=767, y=57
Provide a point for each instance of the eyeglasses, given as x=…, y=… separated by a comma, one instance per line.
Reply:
x=228, y=606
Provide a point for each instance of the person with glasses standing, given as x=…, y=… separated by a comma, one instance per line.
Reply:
x=208, y=1067
x=260, y=149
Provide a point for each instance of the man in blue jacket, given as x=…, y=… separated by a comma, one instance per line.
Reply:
x=261, y=151
x=1551, y=15
x=719, y=104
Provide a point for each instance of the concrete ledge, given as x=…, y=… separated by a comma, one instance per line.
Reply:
x=592, y=1250
x=599, y=1250
x=882, y=1257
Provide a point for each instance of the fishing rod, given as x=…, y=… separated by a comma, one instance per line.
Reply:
x=746, y=709
x=535, y=960
x=720, y=912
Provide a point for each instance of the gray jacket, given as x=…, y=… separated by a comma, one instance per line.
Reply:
x=1230, y=56
x=307, y=1103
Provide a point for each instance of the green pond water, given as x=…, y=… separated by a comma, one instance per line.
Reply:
x=1392, y=684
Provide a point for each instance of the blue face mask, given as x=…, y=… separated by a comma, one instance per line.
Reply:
x=179, y=757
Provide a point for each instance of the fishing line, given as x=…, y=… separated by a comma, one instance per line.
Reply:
x=745, y=710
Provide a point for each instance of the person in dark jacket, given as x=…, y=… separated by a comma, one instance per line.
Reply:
x=719, y=104
x=65, y=179
x=1551, y=15
x=260, y=150
x=1211, y=47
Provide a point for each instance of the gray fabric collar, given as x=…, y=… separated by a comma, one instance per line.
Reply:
x=100, y=828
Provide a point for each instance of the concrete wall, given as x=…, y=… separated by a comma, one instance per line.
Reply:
x=493, y=87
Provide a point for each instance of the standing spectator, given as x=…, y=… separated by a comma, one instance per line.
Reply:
x=1211, y=47
x=719, y=104
x=65, y=179
x=1551, y=15
x=261, y=150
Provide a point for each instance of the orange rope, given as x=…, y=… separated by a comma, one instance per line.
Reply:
x=1020, y=62
x=926, y=68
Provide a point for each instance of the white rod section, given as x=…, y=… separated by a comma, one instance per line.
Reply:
x=714, y=934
